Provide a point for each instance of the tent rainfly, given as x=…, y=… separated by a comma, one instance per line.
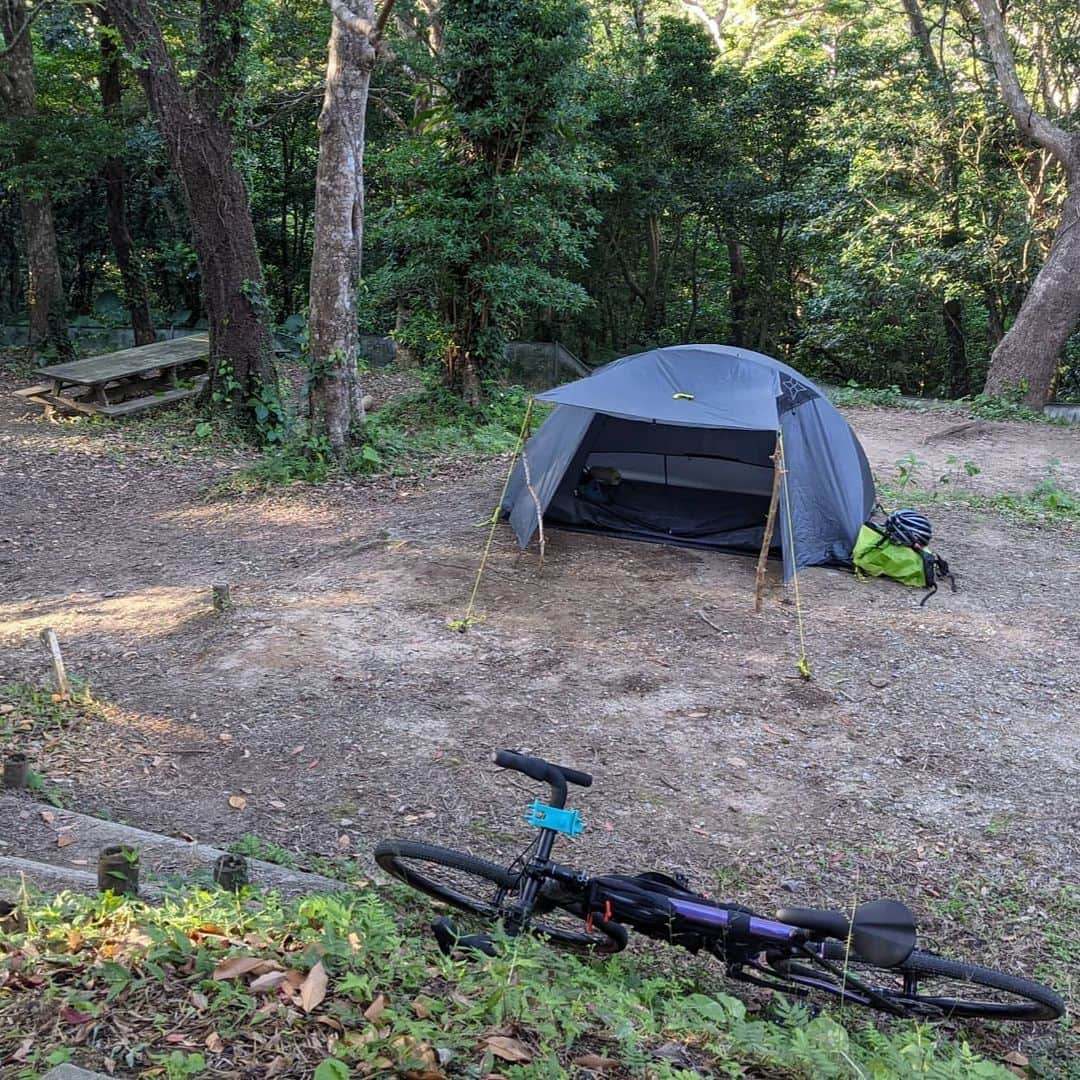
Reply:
x=675, y=446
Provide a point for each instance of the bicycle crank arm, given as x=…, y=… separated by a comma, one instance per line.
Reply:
x=450, y=941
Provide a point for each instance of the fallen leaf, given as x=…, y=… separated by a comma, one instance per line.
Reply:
x=215, y=1043
x=296, y=750
x=48, y=817
x=271, y=980
x=200, y=1001
x=375, y=1009
x=1014, y=1057
x=235, y=966
x=277, y=804
x=237, y=802
x=313, y=989
x=696, y=715
x=330, y=1022
x=354, y=941
x=595, y=1062
x=74, y=940
x=225, y=737
x=737, y=762
x=312, y=763
x=419, y=1055
x=343, y=841
x=74, y=1016
x=22, y=1051
x=177, y=1037
x=502, y=1046
x=65, y=840
x=276, y=1067
x=419, y=1006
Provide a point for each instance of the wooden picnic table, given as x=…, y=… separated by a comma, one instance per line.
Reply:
x=124, y=382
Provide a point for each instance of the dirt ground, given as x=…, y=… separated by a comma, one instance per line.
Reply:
x=933, y=757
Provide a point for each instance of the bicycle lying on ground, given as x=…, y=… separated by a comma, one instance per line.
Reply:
x=868, y=959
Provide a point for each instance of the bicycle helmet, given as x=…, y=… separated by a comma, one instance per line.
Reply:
x=908, y=528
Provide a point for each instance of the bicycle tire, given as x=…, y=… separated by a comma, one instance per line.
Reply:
x=1028, y=1000
x=396, y=857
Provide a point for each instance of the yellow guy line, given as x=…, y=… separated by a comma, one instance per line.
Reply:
x=803, y=665
x=467, y=620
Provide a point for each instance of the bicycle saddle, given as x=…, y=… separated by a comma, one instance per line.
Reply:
x=882, y=931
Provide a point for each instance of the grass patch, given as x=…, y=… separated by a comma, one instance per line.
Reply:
x=208, y=984
x=28, y=710
x=338, y=867
x=1048, y=503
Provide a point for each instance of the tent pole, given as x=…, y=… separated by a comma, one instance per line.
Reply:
x=770, y=524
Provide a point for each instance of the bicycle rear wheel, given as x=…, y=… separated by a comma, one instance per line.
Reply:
x=488, y=891
x=931, y=986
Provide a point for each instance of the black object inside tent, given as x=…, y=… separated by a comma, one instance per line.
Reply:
x=675, y=446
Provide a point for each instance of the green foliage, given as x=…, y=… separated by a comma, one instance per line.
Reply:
x=853, y=395
x=485, y=240
x=1005, y=408
x=157, y=963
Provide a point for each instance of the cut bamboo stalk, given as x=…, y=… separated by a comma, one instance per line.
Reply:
x=770, y=525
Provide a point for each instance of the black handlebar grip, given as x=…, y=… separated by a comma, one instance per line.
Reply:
x=539, y=769
x=522, y=763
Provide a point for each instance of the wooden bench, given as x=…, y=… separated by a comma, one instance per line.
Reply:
x=125, y=382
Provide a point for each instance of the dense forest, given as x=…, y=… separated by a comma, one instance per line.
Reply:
x=878, y=193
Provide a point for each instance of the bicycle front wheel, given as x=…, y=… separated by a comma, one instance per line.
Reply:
x=486, y=890
x=931, y=986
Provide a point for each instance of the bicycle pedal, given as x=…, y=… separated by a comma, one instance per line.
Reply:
x=446, y=935
x=450, y=941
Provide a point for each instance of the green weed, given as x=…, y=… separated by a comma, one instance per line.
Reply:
x=1048, y=503
x=32, y=710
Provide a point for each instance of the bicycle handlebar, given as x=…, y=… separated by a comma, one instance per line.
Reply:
x=555, y=775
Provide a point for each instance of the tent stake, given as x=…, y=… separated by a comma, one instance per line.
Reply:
x=770, y=525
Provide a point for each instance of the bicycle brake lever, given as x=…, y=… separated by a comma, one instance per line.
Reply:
x=449, y=940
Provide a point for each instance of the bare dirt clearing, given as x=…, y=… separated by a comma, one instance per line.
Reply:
x=934, y=756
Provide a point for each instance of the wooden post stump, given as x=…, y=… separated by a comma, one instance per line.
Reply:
x=16, y=770
x=60, y=679
x=231, y=872
x=118, y=870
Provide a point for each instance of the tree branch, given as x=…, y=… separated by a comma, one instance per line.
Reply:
x=16, y=35
x=1034, y=125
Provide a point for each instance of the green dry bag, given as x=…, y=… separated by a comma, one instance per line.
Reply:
x=878, y=556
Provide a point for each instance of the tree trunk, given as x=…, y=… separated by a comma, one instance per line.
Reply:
x=953, y=314
x=114, y=176
x=196, y=126
x=1027, y=357
x=335, y=405
x=45, y=289
x=739, y=293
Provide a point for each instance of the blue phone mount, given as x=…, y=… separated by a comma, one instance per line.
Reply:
x=542, y=816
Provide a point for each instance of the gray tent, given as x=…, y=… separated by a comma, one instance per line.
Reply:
x=674, y=446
